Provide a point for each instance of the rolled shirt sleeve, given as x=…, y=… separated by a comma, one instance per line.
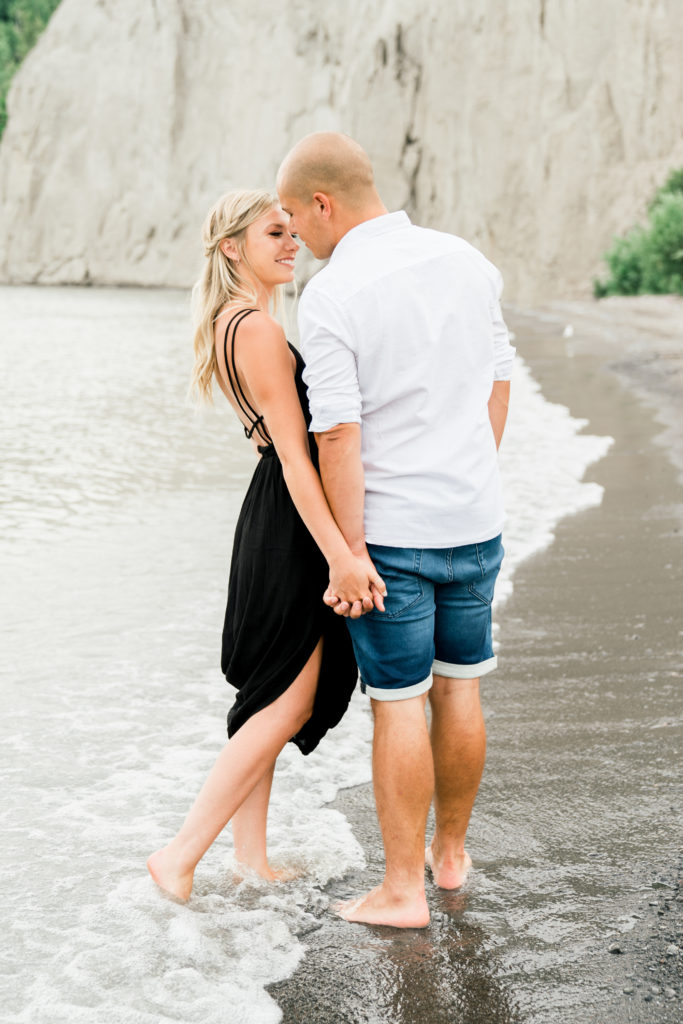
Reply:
x=331, y=374
x=504, y=352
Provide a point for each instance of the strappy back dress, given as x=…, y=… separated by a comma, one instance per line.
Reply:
x=275, y=615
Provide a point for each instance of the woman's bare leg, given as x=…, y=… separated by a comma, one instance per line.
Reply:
x=249, y=823
x=238, y=768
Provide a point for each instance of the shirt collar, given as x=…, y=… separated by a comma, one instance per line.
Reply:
x=371, y=229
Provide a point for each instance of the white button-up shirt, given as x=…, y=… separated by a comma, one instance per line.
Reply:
x=402, y=332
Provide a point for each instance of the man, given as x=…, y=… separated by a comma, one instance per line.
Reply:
x=408, y=367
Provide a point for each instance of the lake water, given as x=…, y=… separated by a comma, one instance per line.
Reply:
x=118, y=504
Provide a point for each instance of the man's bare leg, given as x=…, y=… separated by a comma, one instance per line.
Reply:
x=458, y=738
x=238, y=768
x=403, y=776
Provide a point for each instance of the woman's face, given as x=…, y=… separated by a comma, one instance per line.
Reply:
x=270, y=248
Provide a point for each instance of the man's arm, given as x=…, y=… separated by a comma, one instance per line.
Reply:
x=331, y=377
x=341, y=471
x=335, y=404
x=504, y=355
x=498, y=409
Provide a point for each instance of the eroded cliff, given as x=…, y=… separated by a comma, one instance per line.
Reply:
x=535, y=128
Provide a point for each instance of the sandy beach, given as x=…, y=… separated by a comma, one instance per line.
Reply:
x=573, y=911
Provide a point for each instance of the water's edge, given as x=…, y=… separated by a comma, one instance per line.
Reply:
x=117, y=536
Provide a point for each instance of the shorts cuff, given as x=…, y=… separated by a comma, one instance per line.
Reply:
x=397, y=693
x=442, y=668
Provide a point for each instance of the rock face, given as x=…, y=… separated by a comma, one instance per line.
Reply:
x=535, y=128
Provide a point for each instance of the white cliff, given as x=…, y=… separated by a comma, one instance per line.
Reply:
x=535, y=128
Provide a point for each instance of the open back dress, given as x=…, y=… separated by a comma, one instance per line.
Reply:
x=275, y=614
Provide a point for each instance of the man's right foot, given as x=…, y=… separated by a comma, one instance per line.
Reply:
x=378, y=907
x=168, y=878
x=448, y=872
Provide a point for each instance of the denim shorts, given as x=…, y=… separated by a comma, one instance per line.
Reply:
x=437, y=618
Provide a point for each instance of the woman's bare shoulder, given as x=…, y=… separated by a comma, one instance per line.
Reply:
x=260, y=333
x=257, y=326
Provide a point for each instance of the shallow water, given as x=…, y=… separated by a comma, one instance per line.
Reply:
x=118, y=504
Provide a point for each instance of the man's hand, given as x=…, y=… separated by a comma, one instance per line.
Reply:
x=343, y=593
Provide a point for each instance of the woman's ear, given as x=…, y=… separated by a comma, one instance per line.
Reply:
x=229, y=249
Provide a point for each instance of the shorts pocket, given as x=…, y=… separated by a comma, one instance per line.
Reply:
x=399, y=568
x=490, y=556
x=479, y=591
x=402, y=593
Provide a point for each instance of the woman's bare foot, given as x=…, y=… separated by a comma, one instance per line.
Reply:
x=167, y=876
x=282, y=874
x=378, y=907
x=448, y=872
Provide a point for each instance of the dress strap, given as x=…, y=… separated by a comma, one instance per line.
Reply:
x=255, y=418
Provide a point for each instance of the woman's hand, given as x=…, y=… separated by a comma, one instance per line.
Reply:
x=355, y=586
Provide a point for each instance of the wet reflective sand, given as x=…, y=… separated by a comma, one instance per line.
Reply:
x=576, y=833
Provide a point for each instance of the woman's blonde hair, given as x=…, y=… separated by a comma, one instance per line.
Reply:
x=222, y=279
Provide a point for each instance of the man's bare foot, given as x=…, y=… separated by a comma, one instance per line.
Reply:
x=448, y=872
x=168, y=878
x=378, y=907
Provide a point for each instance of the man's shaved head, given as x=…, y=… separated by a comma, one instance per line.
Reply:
x=328, y=162
x=327, y=187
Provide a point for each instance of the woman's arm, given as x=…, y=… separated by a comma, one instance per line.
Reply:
x=264, y=362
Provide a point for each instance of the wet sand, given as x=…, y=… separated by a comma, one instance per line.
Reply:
x=573, y=911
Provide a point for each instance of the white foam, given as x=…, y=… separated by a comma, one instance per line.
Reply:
x=543, y=458
x=116, y=553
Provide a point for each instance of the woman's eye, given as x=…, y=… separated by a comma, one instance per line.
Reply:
x=293, y=236
x=276, y=234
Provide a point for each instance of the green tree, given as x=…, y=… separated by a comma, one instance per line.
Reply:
x=21, y=22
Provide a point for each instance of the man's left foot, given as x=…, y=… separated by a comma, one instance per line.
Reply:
x=448, y=872
x=378, y=907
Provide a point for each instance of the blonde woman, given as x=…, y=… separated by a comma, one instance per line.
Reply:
x=286, y=652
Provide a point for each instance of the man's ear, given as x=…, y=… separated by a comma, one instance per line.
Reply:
x=324, y=205
x=229, y=249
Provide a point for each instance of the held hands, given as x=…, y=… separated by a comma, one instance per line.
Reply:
x=355, y=586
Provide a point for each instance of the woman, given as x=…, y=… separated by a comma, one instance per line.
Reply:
x=287, y=653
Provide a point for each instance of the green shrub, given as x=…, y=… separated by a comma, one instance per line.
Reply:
x=674, y=183
x=21, y=22
x=624, y=263
x=649, y=260
x=662, y=256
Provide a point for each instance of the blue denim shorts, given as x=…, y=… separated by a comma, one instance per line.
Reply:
x=437, y=618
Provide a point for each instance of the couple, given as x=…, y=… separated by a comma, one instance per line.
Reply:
x=376, y=500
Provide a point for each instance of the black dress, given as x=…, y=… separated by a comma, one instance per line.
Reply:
x=275, y=614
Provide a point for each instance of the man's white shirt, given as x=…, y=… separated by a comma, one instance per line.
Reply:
x=402, y=332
